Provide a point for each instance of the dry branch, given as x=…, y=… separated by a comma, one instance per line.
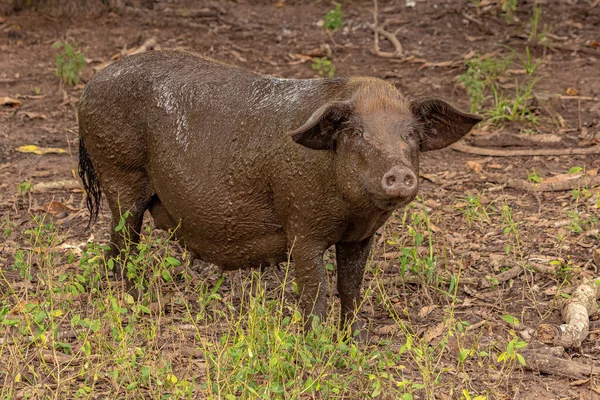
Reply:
x=576, y=314
x=398, y=51
x=464, y=148
x=546, y=363
x=55, y=185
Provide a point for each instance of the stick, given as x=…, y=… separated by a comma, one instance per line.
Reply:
x=560, y=186
x=398, y=51
x=49, y=186
x=576, y=314
x=465, y=148
x=502, y=277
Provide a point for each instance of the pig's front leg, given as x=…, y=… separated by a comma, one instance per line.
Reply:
x=351, y=259
x=311, y=279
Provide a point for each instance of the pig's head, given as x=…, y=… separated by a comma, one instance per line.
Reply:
x=377, y=136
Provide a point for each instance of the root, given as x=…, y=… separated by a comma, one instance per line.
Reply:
x=576, y=314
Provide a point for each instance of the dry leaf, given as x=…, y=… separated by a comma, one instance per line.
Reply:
x=386, y=329
x=425, y=311
x=30, y=148
x=8, y=102
x=571, y=91
x=475, y=166
x=596, y=257
x=55, y=207
x=2, y=19
x=434, y=332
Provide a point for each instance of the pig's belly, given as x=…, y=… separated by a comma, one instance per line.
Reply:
x=230, y=247
x=269, y=248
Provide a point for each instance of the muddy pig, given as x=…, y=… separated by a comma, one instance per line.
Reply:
x=249, y=168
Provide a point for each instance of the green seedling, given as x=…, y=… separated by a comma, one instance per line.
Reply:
x=323, y=66
x=534, y=176
x=333, y=20
x=69, y=62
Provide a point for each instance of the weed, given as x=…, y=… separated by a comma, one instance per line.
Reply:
x=333, y=20
x=474, y=210
x=481, y=74
x=24, y=187
x=509, y=7
x=529, y=64
x=323, y=66
x=581, y=222
x=69, y=62
x=509, y=110
x=510, y=229
x=534, y=23
x=534, y=176
x=510, y=354
x=37, y=91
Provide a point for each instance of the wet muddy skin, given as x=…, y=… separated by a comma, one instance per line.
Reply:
x=251, y=167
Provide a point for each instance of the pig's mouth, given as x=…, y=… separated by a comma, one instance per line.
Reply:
x=388, y=204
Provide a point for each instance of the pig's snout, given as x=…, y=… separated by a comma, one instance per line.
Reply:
x=399, y=182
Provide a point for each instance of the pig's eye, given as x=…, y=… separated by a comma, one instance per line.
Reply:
x=357, y=133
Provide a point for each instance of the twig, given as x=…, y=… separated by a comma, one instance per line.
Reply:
x=465, y=148
x=501, y=277
x=477, y=22
x=398, y=51
x=576, y=314
x=565, y=47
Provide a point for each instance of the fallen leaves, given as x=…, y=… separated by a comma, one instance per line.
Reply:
x=571, y=91
x=30, y=148
x=9, y=102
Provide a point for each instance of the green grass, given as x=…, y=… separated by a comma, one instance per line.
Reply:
x=484, y=82
x=68, y=330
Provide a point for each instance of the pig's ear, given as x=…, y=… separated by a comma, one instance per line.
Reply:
x=441, y=124
x=319, y=130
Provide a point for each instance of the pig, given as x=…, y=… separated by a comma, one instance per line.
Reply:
x=251, y=169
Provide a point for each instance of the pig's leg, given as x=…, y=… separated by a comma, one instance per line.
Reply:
x=351, y=259
x=126, y=191
x=311, y=279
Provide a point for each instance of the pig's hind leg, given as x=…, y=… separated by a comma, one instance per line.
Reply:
x=128, y=196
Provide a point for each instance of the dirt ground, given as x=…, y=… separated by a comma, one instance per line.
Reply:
x=278, y=38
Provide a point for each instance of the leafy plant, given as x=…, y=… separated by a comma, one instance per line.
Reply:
x=69, y=62
x=333, y=20
x=323, y=66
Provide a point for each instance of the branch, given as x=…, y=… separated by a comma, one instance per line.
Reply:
x=398, y=51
